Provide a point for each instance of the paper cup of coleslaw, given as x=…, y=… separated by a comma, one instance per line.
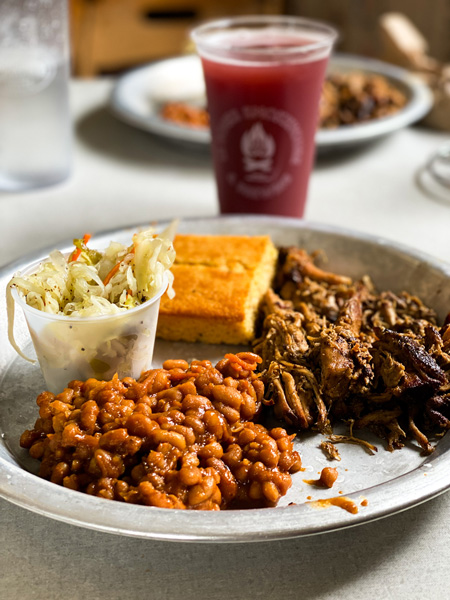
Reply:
x=87, y=342
x=69, y=348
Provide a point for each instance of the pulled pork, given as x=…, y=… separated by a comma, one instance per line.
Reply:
x=336, y=349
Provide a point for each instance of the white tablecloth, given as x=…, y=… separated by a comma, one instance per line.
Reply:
x=122, y=176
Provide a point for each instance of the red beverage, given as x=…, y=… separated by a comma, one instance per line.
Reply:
x=263, y=86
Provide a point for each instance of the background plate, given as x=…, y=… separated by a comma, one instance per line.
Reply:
x=139, y=94
x=389, y=481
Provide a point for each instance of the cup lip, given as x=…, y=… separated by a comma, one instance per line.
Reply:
x=199, y=34
x=90, y=319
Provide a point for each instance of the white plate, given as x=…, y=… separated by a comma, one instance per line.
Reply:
x=139, y=95
x=389, y=481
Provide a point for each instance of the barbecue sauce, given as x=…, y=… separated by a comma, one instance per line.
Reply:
x=339, y=501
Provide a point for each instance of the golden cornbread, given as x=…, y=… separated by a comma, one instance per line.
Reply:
x=219, y=282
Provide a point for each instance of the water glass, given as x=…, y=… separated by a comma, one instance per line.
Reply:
x=35, y=132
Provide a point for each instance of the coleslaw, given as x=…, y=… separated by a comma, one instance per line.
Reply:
x=91, y=283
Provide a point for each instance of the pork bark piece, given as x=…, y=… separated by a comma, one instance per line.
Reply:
x=299, y=264
x=346, y=363
x=292, y=387
x=402, y=313
x=336, y=343
x=438, y=410
x=337, y=367
x=330, y=450
x=412, y=354
x=284, y=337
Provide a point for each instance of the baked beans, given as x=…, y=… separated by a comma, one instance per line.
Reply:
x=179, y=437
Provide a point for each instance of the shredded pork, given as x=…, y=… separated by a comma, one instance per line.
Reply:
x=334, y=349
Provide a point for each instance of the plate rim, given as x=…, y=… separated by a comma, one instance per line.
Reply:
x=19, y=485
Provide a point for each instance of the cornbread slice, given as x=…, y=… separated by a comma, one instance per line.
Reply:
x=219, y=282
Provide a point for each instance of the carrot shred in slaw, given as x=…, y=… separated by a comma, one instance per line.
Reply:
x=77, y=252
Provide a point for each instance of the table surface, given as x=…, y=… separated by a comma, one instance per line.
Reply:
x=122, y=176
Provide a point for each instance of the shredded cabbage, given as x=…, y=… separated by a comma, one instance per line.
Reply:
x=90, y=283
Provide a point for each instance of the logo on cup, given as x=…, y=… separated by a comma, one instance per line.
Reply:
x=258, y=149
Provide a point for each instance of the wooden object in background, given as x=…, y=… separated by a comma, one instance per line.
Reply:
x=357, y=21
x=111, y=35
x=403, y=44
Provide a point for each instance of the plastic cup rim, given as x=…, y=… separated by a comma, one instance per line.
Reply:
x=204, y=41
x=89, y=319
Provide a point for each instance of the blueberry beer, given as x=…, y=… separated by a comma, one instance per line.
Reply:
x=264, y=78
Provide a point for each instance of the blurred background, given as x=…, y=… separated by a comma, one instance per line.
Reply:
x=109, y=36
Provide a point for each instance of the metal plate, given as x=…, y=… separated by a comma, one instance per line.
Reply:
x=139, y=95
x=390, y=482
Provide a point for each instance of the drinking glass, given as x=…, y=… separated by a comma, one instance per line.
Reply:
x=35, y=132
x=264, y=78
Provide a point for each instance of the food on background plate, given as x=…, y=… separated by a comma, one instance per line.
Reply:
x=185, y=114
x=179, y=437
x=92, y=313
x=347, y=99
x=218, y=282
x=334, y=349
x=351, y=98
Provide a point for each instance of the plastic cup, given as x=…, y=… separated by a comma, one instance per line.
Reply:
x=264, y=79
x=71, y=348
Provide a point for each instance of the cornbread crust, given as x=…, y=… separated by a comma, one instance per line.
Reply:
x=219, y=282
